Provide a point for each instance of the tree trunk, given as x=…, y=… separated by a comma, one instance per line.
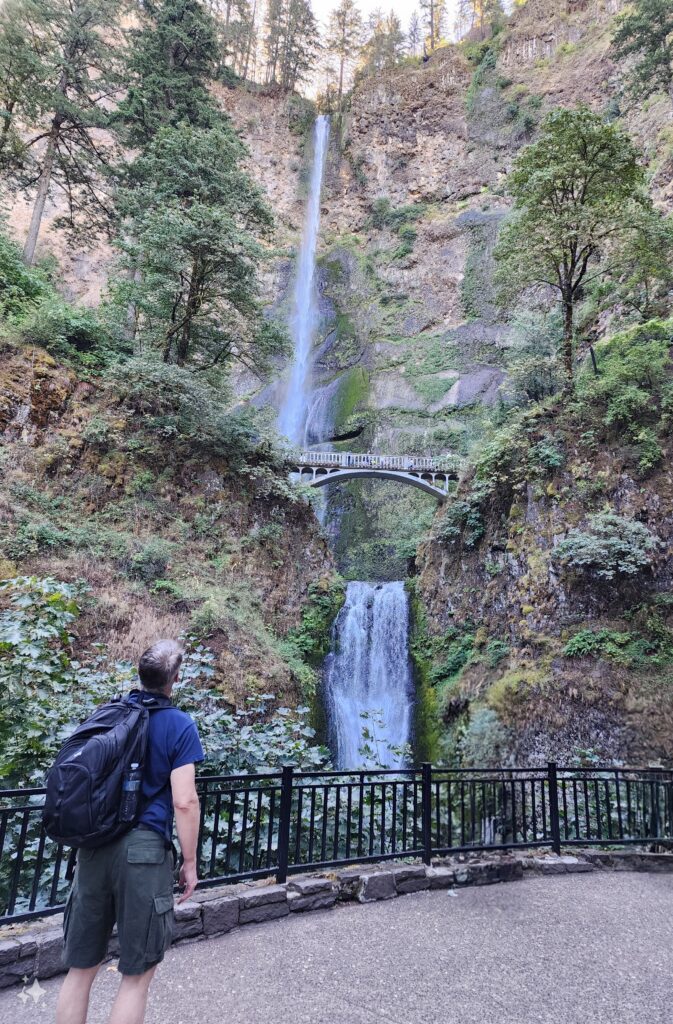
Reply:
x=191, y=309
x=42, y=192
x=568, y=332
x=341, y=79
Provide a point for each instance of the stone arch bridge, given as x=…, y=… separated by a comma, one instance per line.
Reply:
x=432, y=475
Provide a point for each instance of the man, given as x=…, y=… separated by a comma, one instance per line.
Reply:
x=130, y=880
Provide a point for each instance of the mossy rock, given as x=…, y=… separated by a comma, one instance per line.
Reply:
x=351, y=397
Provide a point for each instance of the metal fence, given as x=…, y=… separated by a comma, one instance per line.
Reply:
x=278, y=823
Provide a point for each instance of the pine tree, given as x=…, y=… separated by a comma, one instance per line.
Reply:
x=59, y=76
x=344, y=37
x=171, y=58
x=434, y=16
x=291, y=42
x=414, y=34
x=195, y=220
x=647, y=35
x=384, y=48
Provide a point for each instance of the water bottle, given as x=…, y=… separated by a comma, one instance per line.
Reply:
x=131, y=783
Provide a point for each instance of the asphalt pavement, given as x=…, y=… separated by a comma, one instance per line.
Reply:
x=577, y=949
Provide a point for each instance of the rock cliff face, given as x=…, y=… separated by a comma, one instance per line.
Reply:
x=171, y=541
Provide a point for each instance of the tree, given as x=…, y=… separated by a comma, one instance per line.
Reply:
x=235, y=26
x=434, y=12
x=59, y=78
x=384, y=48
x=414, y=34
x=579, y=201
x=344, y=37
x=195, y=220
x=170, y=60
x=647, y=35
x=291, y=42
x=486, y=15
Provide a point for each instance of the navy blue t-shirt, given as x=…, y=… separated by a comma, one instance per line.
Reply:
x=173, y=742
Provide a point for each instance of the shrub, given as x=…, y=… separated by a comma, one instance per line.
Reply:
x=485, y=741
x=45, y=692
x=623, y=647
x=179, y=405
x=20, y=286
x=68, y=332
x=612, y=547
x=545, y=456
x=451, y=652
x=151, y=562
x=464, y=522
x=633, y=370
x=496, y=650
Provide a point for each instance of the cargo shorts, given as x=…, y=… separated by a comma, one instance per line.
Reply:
x=128, y=882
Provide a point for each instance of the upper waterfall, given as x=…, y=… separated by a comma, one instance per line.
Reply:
x=293, y=415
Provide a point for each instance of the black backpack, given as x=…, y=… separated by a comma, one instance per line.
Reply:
x=84, y=785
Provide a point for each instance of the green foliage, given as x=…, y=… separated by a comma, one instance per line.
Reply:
x=628, y=397
x=171, y=58
x=579, y=204
x=606, y=643
x=71, y=333
x=533, y=368
x=462, y=522
x=44, y=690
x=485, y=741
x=151, y=561
x=253, y=738
x=20, y=286
x=58, y=66
x=545, y=456
x=646, y=34
x=450, y=653
x=192, y=248
x=400, y=220
x=495, y=651
x=384, y=49
x=610, y=548
x=485, y=56
x=374, y=749
x=313, y=636
x=175, y=405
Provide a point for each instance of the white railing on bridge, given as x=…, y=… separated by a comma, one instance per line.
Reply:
x=401, y=463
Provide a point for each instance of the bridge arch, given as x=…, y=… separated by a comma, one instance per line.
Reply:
x=340, y=475
x=433, y=476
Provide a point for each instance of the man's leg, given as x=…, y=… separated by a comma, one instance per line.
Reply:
x=73, y=999
x=129, y=1006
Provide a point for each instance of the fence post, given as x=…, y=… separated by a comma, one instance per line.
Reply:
x=553, y=808
x=284, y=823
x=426, y=805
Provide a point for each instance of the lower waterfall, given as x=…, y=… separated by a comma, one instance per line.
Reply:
x=369, y=672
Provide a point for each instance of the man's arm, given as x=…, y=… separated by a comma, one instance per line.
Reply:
x=187, y=818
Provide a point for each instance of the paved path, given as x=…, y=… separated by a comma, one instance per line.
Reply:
x=589, y=949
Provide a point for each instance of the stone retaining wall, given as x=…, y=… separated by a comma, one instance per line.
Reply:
x=33, y=949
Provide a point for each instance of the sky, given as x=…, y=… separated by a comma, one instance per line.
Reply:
x=403, y=8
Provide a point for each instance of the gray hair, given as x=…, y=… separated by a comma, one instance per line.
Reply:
x=159, y=664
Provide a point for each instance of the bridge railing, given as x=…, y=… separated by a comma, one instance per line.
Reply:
x=368, y=460
x=280, y=822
